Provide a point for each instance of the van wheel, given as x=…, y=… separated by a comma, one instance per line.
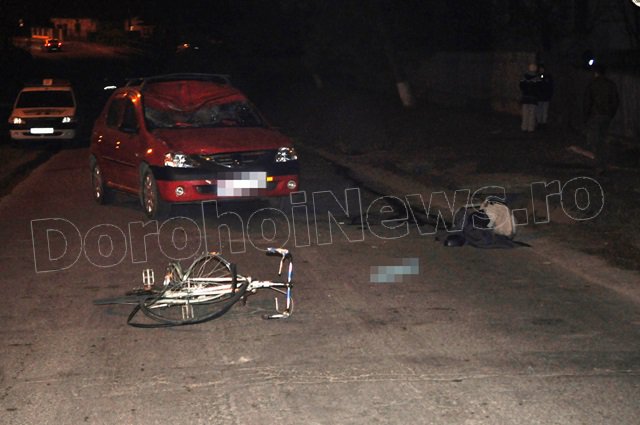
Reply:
x=154, y=206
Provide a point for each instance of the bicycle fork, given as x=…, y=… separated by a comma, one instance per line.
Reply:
x=286, y=312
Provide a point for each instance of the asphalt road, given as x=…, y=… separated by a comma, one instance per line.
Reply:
x=466, y=336
x=476, y=336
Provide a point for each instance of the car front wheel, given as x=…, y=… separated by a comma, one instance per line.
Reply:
x=154, y=206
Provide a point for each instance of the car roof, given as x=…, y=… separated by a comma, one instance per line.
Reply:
x=215, y=78
x=48, y=83
x=185, y=91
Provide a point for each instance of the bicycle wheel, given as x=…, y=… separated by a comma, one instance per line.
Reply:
x=207, y=290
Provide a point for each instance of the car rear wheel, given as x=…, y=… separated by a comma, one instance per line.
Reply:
x=101, y=193
x=154, y=206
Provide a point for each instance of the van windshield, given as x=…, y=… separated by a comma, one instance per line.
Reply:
x=45, y=99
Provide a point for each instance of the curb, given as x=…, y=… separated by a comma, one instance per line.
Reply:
x=386, y=182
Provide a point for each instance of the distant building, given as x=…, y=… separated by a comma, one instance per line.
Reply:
x=75, y=28
x=138, y=26
x=44, y=33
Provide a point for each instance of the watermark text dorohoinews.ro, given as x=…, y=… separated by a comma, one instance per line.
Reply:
x=315, y=218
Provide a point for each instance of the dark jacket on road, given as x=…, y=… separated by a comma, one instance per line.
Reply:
x=601, y=98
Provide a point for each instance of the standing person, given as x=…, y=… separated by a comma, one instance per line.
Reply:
x=529, y=100
x=545, y=93
x=601, y=102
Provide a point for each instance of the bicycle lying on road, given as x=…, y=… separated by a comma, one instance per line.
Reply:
x=204, y=291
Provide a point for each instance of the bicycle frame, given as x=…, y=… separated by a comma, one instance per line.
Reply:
x=196, y=286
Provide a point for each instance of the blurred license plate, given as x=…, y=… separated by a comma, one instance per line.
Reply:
x=41, y=131
x=245, y=183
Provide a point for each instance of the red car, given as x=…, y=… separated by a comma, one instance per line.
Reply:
x=185, y=138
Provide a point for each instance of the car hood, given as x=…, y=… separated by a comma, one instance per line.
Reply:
x=218, y=140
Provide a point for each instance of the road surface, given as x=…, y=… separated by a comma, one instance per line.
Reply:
x=471, y=336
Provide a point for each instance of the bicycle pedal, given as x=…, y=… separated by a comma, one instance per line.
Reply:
x=187, y=312
x=282, y=315
x=148, y=279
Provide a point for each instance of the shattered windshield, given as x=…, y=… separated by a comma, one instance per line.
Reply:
x=210, y=114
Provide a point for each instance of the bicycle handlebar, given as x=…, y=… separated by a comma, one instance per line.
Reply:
x=279, y=251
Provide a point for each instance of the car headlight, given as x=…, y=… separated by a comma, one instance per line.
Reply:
x=17, y=120
x=179, y=160
x=285, y=154
x=66, y=120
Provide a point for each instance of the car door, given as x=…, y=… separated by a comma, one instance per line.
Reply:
x=105, y=140
x=120, y=143
x=127, y=145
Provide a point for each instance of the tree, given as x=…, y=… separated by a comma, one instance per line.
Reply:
x=382, y=9
x=349, y=40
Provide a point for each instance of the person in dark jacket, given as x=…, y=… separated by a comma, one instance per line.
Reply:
x=545, y=93
x=529, y=89
x=601, y=102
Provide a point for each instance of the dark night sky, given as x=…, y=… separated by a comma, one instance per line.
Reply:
x=164, y=11
x=437, y=24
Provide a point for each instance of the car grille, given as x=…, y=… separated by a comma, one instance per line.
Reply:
x=239, y=159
